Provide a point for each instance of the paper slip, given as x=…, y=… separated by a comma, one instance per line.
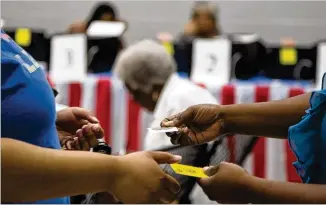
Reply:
x=188, y=170
x=163, y=129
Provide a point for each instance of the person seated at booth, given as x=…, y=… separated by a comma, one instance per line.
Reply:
x=204, y=21
x=103, y=11
x=149, y=74
x=101, y=51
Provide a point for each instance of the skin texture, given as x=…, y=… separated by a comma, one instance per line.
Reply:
x=227, y=179
x=146, y=100
x=203, y=123
x=31, y=173
x=78, y=129
x=201, y=25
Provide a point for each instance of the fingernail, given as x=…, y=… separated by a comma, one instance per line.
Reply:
x=205, y=169
x=86, y=129
x=95, y=119
x=170, y=123
x=177, y=157
x=79, y=133
x=97, y=128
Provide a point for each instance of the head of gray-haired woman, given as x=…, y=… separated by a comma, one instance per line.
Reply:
x=144, y=68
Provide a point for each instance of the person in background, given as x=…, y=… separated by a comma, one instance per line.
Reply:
x=34, y=169
x=301, y=118
x=101, y=52
x=103, y=11
x=149, y=74
x=204, y=22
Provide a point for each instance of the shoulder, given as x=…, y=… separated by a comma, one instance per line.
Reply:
x=188, y=93
x=9, y=63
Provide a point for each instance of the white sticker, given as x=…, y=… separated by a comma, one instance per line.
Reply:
x=162, y=129
x=102, y=29
x=211, y=61
x=68, y=58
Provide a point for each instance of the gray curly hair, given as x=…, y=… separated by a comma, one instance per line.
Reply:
x=144, y=64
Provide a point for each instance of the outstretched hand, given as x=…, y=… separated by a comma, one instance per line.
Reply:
x=197, y=125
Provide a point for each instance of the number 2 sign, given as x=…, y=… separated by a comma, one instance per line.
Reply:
x=211, y=61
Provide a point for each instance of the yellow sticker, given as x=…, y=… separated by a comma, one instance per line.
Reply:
x=23, y=37
x=288, y=56
x=168, y=47
x=188, y=170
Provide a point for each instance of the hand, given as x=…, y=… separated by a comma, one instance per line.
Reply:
x=197, y=125
x=78, y=129
x=142, y=180
x=226, y=183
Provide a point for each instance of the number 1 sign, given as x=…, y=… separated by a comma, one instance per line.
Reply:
x=68, y=58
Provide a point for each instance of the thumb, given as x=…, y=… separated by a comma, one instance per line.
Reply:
x=180, y=119
x=164, y=157
x=209, y=171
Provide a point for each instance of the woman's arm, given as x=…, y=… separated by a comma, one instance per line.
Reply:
x=273, y=192
x=265, y=119
x=31, y=173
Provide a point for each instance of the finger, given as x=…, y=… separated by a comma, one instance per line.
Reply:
x=162, y=124
x=168, y=119
x=89, y=135
x=164, y=157
x=186, y=140
x=171, y=134
x=83, y=143
x=173, y=121
x=85, y=114
x=76, y=144
x=98, y=131
x=209, y=171
x=167, y=197
x=64, y=142
x=69, y=145
x=171, y=184
x=175, y=140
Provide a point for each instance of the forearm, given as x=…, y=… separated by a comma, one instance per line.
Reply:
x=272, y=192
x=31, y=173
x=59, y=107
x=265, y=119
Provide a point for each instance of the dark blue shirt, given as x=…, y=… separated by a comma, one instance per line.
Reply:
x=27, y=101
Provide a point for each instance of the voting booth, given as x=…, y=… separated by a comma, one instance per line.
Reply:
x=211, y=61
x=74, y=55
x=104, y=44
x=290, y=62
x=248, y=55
